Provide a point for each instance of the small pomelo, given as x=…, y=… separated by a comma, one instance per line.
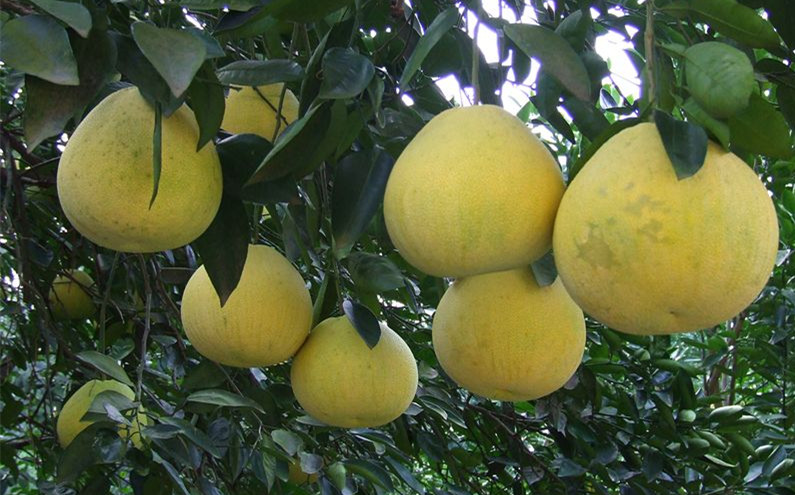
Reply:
x=68, y=297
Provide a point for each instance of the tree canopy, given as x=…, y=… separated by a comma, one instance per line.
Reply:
x=702, y=412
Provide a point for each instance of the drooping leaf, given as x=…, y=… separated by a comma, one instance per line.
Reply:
x=359, y=185
x=729, y=18
x=105, y=364
x=260, y=72
x=219, y=397
x=172, y=472
x=39, y=46
x=557, y=57
x=195, y=435
x=75, y=15
x=223, y=247
x=100, y=443
x=157, y=152
x=364, y=321
x=175, y=54
x=295, y=147
x=50, y=106
x=345, y=73
x=207, y=101
x=132, y=63
x=685, y=144
x=760, y=128
x=240, y=156
x=440, y=25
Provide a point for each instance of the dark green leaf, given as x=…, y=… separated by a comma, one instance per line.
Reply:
x=685, y=144
x=106, y=365
x=443, y=23
x=39, y=46
x=364, y=321
x=405, y=475
x=289, y=441
x=782, y=16
x=359, y=184
x=760, y=128
x=718, y=128
x=50, y=106
x=557, y=57
x=295, y=148
x=785, y=96
x=240, y=156
x=371, y=472
x=100, y=443
x=76, y=16
x=224, y=245
x=345, y=73
x=198, y=437
x=544, y=270
x=373, y=273
x=301, y=11
x=729, y=18
x=241, y=5
x=219, y=397
x=132, y=63
x=208, y=103
x=157, y=152
x=172, y=472
x=260, y=72
x=175, y=54
x=652, y=465
x=204, y=375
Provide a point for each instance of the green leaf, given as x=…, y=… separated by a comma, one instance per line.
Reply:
x=310, y=463
x=100, y=443
x=729, y=18
x=544, y=270
x=440, y=25
x=405, y=475
x=782, y=16
x=175, y=54
x=219, y=397
x=720, y=77
x=49, y=106
x=760, y=128
x=76, y=16
x=198, y=437
x=371, y=472
x=557, y=57
x=206, y=374
x=223, y=247
x=208, y=103
x=295, y=148
x=726, y=414
x=302, y=11
x=157, y=152
x=132, y=63
x=685, y=144
x=240, y=156
x=260, y=72
x=719, y=462
x=359, y=184
x=373, y=273
x=718, y=128
x=345, y=73
x=39, y=46
x=241, y=5
x=287, y=440
x=785, y=96
x=364, y=321
x=106, y=365
x=172, y=472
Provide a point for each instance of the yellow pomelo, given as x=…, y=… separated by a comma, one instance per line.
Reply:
x=297, y=476
x=264, y=321
x=645, y=253
x=474, y=192
x=254, y=111
x=105, y=177
x=69, y=423
x=501, y=336
x=342, y=382
x=68, y=297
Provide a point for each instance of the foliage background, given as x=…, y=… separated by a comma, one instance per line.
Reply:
x=642, y=415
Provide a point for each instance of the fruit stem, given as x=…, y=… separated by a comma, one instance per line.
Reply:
x=649, y=45
x=476, y=59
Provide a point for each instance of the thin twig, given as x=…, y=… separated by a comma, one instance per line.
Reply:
x=649, y=45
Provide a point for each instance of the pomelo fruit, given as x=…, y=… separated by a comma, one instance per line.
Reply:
x=68, y=296
x=646, y=254
x=253, y=111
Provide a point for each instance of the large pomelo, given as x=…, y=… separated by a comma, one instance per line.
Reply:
x=645, y=253
x=105, y=177
x=503, y=337
x=474, y=192
x=264, y=321
x=342, y=382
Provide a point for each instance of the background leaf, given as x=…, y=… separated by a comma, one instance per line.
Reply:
x=105, y=364
x=223, y=398
x=440, y=25
x=685, y=144
x=363, y=320
x=345, y=73
x=176, y=55
x=260, y=72
x=76, y=16
x=39, y=46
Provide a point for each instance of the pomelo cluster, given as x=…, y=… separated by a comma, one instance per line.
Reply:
x=474, y=196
